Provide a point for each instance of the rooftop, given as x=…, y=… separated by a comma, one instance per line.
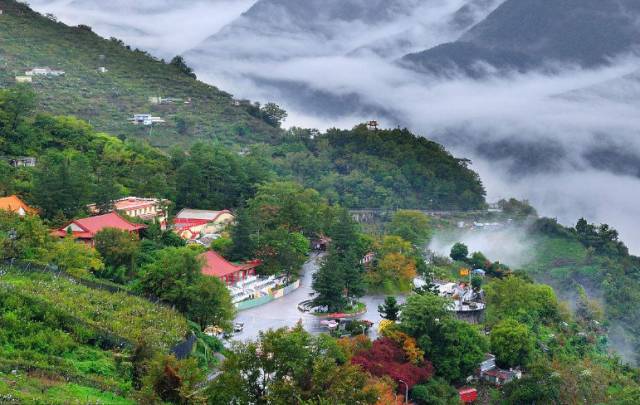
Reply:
x=135, y=202
x=13, y=203
x=217, y=266
x=92, y=225
x=191, y=214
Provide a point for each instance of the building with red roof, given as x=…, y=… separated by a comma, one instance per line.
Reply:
x=85, y=229
x=147, y=209
x=13, y=203
x=191, y=224
x=468, y=395
x=217, y=266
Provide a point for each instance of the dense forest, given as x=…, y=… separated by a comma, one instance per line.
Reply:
x=364, y=168
x=78, y=166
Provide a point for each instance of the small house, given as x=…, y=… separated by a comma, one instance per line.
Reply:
x=102, y=69
x=368, y=258
x=147, y=209
x=479, y=272
x=15, y=204
x=501, y=377
x=468, y=395
x=190, y=224
x=24, y=79
x=146, y=119
x=85, y=229
x=44, y=71
x=320, y=244
x=23, y=161
x=217, y=266
x=491, y=373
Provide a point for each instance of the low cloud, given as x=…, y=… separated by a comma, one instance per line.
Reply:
x=509, y=245
x=163, y=27
x=568, y=141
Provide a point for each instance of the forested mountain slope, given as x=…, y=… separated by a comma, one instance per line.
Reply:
x=591, y=261
x=365, y=168
x=107, y=100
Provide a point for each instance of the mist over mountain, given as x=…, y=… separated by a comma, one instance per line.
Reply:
x=526, y=34
x=278, y=49
x=162, y=27
x=541, y=94
x=336, y=27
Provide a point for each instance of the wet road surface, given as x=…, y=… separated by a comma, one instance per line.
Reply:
x=284, y=312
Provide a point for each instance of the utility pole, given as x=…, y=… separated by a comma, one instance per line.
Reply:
x=406, y=392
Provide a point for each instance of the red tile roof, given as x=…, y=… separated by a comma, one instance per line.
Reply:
x=92, y=225
x=217, y=266
x=181, y=223
x=13, y=203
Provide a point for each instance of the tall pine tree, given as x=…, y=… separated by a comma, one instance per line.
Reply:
x=328, y=284
x=340, y=280
x=106, y=189
x=242, y=234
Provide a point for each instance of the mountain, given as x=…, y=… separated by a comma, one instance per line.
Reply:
x=339, y=25
x=107, y=100
x=274, y=49
x=526, y=34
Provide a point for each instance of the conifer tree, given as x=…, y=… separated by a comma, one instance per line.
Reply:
x=341, y=277
x=328, y=284
x=390, y=309
x=244, y=243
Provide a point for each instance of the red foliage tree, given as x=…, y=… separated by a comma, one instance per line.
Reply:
x=386, y=357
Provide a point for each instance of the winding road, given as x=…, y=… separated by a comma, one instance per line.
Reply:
x=284, y=312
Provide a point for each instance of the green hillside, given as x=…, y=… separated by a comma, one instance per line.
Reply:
x=107, y=100
x=589, y=266
x=62, y=342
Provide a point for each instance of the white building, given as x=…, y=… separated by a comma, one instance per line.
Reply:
x=44, y=71
x=146, y=119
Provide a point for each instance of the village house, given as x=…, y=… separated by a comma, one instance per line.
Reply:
x=368, y=258
x=146, y=119
x=467, y=304
x=191, y=224
x=491, y=373
x=217, y=266
x=147, y=209
x=468, y=395
x=321, y=244
x=44, y=71
x=168, y=100
x=24, y=79
x=85, y=229
x=13, y=203
x=102, y=69
x=23, y=161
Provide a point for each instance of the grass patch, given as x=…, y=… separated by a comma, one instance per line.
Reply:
x=25, y=389
x=129, y=317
